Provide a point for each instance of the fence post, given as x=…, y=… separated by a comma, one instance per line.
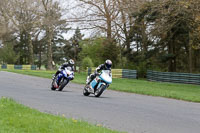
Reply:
x=89, y=71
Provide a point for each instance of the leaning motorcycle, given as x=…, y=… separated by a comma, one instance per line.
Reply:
x=98, y=85
x=62, y=79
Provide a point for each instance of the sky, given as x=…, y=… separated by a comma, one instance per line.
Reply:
x=68, y=6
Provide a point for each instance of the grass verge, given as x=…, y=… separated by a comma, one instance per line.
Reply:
x=17, y=118
x=185, y=92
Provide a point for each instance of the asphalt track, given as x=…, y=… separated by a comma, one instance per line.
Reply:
x=116, y=110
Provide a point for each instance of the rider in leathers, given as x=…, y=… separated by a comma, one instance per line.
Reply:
x=106, y=66
x=69, y=65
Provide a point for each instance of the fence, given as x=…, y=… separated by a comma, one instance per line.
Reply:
x=19, y=67
x=173, y=77
x=119, y=73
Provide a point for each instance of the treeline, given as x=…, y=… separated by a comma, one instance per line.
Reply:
x=29, y=30
x=135, y=34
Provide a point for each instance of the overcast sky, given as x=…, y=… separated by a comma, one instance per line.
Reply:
x=70, y=8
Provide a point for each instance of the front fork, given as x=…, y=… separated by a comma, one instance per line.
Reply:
x=100, y=84
x=59, y=78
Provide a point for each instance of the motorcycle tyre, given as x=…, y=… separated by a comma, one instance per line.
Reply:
x=53, y=88
x=52, y=85
x=85, y=92
x=101, y=89
x=63, y=84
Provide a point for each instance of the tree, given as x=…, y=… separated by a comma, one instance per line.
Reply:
x=125, y=21
x=53, y=23
x=110, y=51
x=7, y=54
x=92, y=48
x=172, y=25
x=179, y=25
x=99, y=49
x=87, y=62
x=98, y=15
x=23, y=15
x=72, y=48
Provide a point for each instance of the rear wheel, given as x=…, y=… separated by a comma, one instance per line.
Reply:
x=85, y=91
x=63, y=83
x=99, y=91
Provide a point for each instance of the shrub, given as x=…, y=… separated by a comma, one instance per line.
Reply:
x=86, y=62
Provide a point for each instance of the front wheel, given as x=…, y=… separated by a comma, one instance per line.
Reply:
x=99, y=91
x=52, y=85
x=63, y=83
x=85, y=91
x=53, y=88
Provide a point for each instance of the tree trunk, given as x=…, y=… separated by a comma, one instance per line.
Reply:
x=30, y=48
x=190, y=58
x=21, y=56
x=195, y=62
x=190, y=53
x=109, y=30
x=75, y=57
x=40, y=56
x=49, y=50
x=144, y=40
x=170, y=51
x=108, y=21
x=174, y=57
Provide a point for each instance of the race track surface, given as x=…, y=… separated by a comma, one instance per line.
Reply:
x=116, y=110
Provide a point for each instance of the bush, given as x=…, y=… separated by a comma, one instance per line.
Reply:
x=92, y=48
x=8, y=55
x=86, y=62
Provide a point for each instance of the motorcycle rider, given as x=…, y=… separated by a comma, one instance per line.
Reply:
x=69, y=65
x=106, y=66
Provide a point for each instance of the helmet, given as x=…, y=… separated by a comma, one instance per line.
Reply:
x=71, y=62
x=108, y=64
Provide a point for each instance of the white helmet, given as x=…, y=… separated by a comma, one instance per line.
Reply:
x=108, y=64
x=71, y=62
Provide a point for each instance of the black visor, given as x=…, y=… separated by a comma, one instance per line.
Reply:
x=108, y=66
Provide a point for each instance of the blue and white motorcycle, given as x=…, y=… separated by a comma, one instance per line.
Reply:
x=98, y=85
x=62, y=79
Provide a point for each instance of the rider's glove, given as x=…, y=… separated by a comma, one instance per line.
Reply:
x=96, y=73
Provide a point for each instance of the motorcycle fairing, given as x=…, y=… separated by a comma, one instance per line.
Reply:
x=93, y=83
x=101, y=83
x=107, y=78
x=59, y=77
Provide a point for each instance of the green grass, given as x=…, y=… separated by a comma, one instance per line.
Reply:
x=170, y=90
x=79, y=78
x=185, y=92
x=17, y=118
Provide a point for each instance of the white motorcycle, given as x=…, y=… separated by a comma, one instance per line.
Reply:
x=98, y=85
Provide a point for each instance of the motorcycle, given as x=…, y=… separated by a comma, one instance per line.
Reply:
x=62, y=79
x=98, y=85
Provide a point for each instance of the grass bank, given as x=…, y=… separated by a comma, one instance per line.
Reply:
x=185, y=92
x=17, y=118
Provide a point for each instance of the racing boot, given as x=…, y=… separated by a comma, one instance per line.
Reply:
x=88, y=80
x=55, y=84
x=53, y=76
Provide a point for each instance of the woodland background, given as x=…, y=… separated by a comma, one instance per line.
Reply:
x=160, y=35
